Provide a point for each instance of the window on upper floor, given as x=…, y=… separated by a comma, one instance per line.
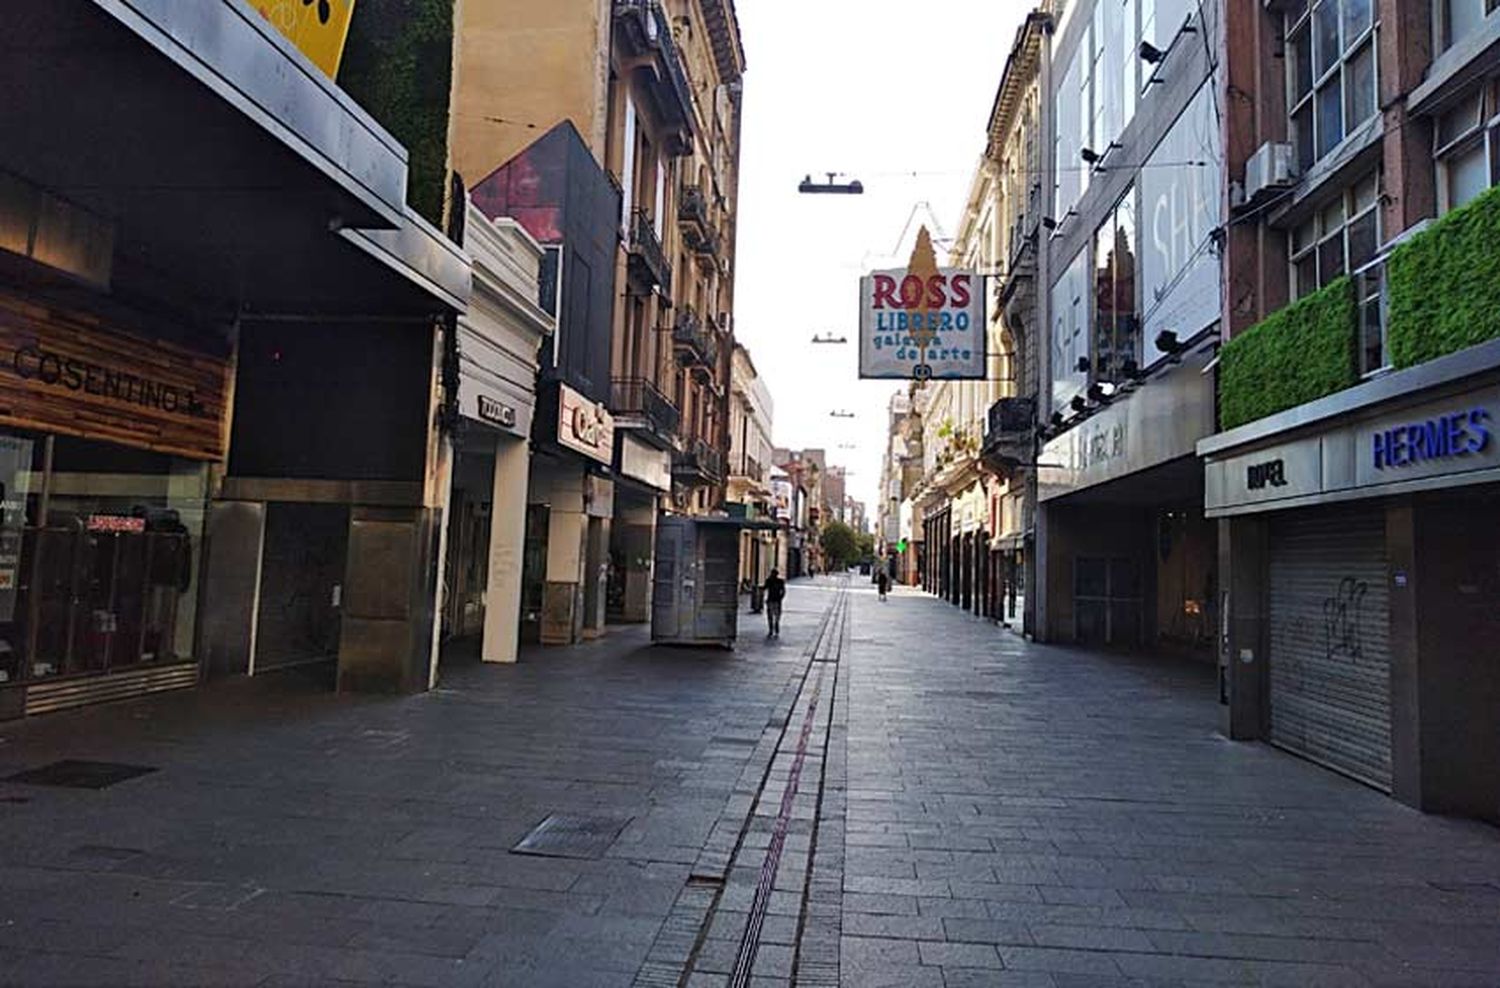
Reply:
x=1456, y=18
x=1070, y=325
x=1331, y=76
x=1339, y=239
x=1117, y=311
x=1467, y=148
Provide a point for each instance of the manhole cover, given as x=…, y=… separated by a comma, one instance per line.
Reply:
x=572, y=836
x=79, y=774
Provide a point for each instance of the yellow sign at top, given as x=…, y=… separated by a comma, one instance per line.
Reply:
x=317, y=27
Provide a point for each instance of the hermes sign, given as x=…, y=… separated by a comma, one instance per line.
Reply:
x=585, y=426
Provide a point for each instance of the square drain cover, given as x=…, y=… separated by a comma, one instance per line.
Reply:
x=79, y=774
x=572, y=836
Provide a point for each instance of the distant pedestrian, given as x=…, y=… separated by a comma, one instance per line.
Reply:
x=775, y=588
x=883, y=583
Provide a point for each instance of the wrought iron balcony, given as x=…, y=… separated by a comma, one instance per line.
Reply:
x=653, y=57
x=648, y=261
x=1010, y=433
x=696, y=341
x=699, y=463
x=697, y=229
x=636, y=397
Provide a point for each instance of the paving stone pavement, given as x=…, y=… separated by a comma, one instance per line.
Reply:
x=1023, y=815
x=968, y=809
x=293, y=837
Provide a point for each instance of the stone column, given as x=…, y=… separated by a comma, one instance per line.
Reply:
x=502, y=595
x=562, y=602
x=1243, y=632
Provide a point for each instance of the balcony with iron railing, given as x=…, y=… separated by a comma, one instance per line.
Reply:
x=648, y=260
x=1010, y=434
x=647, y=44
x=698, y=463
x=639, y=399
x=697, y=228
x=697, y=341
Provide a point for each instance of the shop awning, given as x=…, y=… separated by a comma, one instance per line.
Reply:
x=234, y=174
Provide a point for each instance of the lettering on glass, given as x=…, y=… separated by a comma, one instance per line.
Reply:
x=1343, y=615
x=1456, y=434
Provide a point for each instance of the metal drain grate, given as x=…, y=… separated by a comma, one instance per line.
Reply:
x=572, y=836
x=75, y=774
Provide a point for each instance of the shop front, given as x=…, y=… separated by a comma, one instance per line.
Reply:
x=642, y=480
x=570, y=502
x=1363, y=595
x=499, y=339
x=106, y=439
x=1124, y=556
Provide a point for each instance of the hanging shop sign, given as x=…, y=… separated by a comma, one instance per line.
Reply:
x=60, y=372
x=585, y=426
x=922, y=321
x=318, y=28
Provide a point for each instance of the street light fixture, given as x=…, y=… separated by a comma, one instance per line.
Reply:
x=830, y=338
x=841, y=415
x=809, y=187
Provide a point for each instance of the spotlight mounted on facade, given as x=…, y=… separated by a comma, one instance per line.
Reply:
x=1168, y=343
x=1082, y=366
x=1080, y=404
x=1101, y=392
x=1150, y=53
x=1131, y=369
x=1049, y=223
x=1090, y=156
x=1056, y=420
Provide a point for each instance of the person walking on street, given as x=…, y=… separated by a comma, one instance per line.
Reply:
x=775, y=588
x=883, y=583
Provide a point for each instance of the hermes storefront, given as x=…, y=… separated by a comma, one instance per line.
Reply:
x=1362, y=605
x=106, y=436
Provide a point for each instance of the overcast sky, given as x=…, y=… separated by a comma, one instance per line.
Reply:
x=877, y=89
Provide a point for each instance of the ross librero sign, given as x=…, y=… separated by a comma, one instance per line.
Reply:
x=922, y=321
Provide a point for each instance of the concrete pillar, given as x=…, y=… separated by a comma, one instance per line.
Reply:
x=502, y=595
x=567, y=526
x=1243, y=633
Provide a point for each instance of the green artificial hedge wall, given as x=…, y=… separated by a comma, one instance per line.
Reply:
x=1295, y=355
x=398, y=65
x=1444, y=284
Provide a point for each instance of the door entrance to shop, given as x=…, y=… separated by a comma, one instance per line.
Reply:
x=534, y=572
x=1107, y=600
x=109, y=588
x=302, y=577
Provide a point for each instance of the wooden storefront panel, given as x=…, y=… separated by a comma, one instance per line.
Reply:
x=63, y=371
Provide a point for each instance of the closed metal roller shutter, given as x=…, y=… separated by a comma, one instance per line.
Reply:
x=1330, y=648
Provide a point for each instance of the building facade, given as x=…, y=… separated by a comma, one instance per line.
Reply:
x=651, y=93
x=169, y=516
x=1354, y=484
x=750, y=494
x=1129, y=290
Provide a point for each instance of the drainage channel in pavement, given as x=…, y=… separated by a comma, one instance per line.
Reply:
x=746, y=905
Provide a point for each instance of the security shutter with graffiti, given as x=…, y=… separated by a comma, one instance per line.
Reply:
x=1329, y=656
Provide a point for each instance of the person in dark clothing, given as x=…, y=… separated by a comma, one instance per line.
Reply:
x=883, y=582
x=775, y=588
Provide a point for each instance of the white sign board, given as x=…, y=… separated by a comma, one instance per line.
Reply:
x=913, y=326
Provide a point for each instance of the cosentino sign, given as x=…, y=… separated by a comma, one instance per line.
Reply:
x=33, y=362
x=62, y=372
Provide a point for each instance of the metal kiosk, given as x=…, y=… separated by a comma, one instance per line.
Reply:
x=695, y=592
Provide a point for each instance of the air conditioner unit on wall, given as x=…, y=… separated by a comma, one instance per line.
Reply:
x=1271, y=168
